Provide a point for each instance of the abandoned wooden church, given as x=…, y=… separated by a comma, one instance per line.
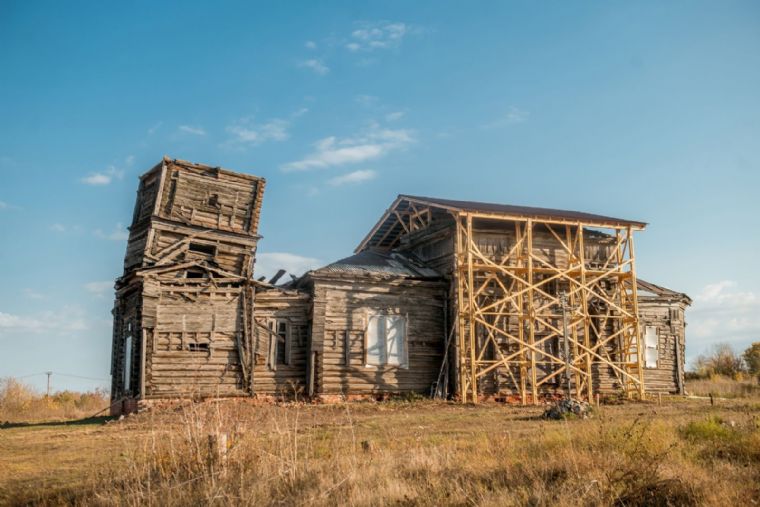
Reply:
x=444, y=298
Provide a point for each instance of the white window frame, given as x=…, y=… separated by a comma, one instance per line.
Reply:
x=389, y=322
x=651, y=347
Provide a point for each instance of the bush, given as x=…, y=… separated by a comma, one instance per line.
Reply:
x=721, y=360
x=21, y=402
x=752, y=359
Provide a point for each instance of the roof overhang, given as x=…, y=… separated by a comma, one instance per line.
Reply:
x=390, y=224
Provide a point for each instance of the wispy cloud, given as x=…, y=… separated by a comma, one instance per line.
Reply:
x=354, y=177
x=334, y=151
x=378, y=35
x=315, y=65
x=99, y=289
x=152, y=130
x=722, y=312
x=246, y=132
x=310, y=44
x=189, y=129
x=103, y=178
x=33, y=294
x=395, y=115
x=66, y=320
x=513, y=116
x=267, y=264
x=119, y=233
x=366, y=100
x=4, y=205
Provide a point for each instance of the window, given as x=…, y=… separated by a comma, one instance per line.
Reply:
x=202, y=248
x=279, y=343
x=213, y=200
x=386, y=341
x=651, y=353
x=197, y=347
x=128, y=361
x=194, y=273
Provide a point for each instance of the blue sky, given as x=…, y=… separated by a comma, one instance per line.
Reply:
x=643, y=110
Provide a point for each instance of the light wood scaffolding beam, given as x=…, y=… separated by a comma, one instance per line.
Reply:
x=511, y=320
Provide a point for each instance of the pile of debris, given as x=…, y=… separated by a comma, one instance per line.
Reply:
x=566, y=408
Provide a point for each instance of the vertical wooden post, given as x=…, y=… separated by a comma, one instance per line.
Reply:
x=471, y=313
x=635, y=306
x=586, y=315
x=459, y=271
x=522, y=320
x=531, y=313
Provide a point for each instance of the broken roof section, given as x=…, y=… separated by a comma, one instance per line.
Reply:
x=378, y=263
x=390, y=226
x=650, y=290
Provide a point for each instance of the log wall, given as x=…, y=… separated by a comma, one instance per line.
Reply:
x=288, y=378
x=341, y=309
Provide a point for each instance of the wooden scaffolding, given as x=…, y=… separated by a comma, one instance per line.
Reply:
x=514, y=309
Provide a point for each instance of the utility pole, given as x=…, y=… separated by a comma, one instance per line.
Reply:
x=48, y=373
x=565, y=342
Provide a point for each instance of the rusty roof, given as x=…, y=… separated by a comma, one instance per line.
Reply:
x=388, y=227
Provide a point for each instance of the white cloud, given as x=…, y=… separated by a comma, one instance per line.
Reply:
x=111, y=173
x=366, y=100
x=332, y=151
x=267, y=264
x=300, y=112
x=381, y=35
x=119, y=233
x=722, y=313
x=512, y=117
x=310, y=44
x=4, y=205
x=359, y=176
x=196, y=131
x=395, y=116
x=246, y=132
x=62, y=228
x=66, y=320
x=315, y=65
x=33, y=294
x=99, y=289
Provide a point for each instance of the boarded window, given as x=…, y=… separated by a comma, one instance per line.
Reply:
x=386, y=341
x=651, y=352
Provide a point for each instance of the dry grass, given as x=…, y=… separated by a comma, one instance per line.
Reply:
x=724, y=387
x=20, y=402
x=405, y=453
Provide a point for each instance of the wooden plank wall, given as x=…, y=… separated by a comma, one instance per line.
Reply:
x=191, y=314
x=341, y=306
x=286, y=380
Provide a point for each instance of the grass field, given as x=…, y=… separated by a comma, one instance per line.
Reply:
x=683, y=452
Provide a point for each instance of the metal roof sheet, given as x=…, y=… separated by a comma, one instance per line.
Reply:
x=372, y=262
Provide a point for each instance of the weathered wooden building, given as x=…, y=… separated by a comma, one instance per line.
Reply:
x=442, y=297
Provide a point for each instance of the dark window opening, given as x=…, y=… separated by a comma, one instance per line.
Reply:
x=195, y=274
x=282, y=336
x=280, y=343
x=202, y=248
x=213, y=200
x=197, y=347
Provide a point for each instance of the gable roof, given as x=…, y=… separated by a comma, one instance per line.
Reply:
x=403, y=203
